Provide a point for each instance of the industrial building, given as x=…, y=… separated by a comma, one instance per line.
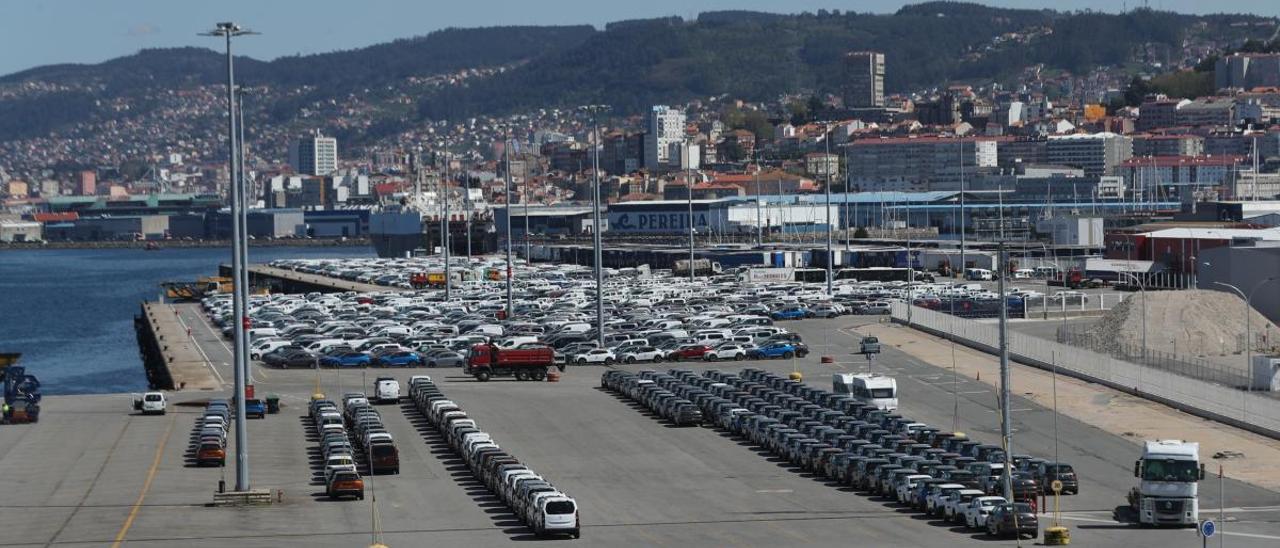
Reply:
x=1250, y=266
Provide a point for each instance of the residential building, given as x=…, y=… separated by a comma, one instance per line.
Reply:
x=822, y=165
x=1097, y=153
x=622, y=153
x=1168, y=175
x=1208, y=111
x=864, y=84
x=665, y=126
x=1247, y=71
x=88, y=183
x=1158, y=112
x=1168, y=145
x=918, y=163
x=314, y=155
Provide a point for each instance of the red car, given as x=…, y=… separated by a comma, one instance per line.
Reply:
x=689, y=352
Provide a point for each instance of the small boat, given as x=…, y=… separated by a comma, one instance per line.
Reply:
x=152, y=246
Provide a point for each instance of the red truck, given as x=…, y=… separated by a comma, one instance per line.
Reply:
x=487, y=361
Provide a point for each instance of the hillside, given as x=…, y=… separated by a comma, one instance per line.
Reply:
x=629, y=64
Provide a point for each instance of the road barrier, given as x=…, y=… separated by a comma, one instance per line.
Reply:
x=1239, y=408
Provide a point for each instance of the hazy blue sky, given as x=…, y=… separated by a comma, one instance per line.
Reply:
x=41, y=32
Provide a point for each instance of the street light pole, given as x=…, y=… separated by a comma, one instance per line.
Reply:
x=1248, y=327
x=506, y=153
x=827, y=169
x=1006, y=432
x=243, y=274
x=690, y=187
x=595, y=229
x=444, y=227
x=228, y=30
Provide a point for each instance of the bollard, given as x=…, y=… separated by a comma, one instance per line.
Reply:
x=828, y=359
x=222, y=486
x=279, y=495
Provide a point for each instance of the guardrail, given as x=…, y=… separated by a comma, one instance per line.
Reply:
x=1209, y=400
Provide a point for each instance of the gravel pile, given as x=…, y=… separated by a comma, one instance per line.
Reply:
x=1196, y=322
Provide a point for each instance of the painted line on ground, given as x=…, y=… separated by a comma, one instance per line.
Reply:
x=146, y=485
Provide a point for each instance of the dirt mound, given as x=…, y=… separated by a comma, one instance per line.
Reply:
x=1195, y=322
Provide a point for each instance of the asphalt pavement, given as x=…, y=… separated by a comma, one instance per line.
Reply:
x=91, y=472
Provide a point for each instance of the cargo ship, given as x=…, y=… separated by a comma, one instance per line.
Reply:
x=403, y=230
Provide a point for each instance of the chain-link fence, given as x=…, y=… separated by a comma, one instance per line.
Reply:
x=1224, y=402
x=1220, y=372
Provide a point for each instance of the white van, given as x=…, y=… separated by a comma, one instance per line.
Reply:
x=386, y=390
x=978, y=274
x=556, y=516
x=151, y=403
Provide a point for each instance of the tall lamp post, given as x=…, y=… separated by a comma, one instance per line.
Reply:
x=597, y=237
x=1248, y=327
x=227, y=31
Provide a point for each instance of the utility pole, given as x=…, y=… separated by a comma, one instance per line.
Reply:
x=506, y=153
x=528, y=253
x=826, y=139
x=759, y=222
x=228, y=30
x=690, y=187
x=595, y=229
x=963, y=213
x=444, y=226
x=243, y=274
x=1006, y=435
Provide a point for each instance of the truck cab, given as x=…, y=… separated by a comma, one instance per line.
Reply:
x=1168, y=474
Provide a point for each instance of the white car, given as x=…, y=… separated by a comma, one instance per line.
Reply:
x=953, y=506
x=150, y=403
x=556, y=515
x=386, y=390
x=975, y=514
x=262, y=348
x=907, y=486
x=935, y=502
x=642, y=354
x=596, y=355
x=337, y=463
x=726, y=352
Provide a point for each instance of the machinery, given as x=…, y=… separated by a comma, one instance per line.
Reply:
x=21, y=391
x=1167, y=473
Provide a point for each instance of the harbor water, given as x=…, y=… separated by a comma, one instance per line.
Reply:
x=70, y=312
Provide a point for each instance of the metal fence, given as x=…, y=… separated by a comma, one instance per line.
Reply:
x=1216, y=401
x=1033, y=308
x=1188, y=366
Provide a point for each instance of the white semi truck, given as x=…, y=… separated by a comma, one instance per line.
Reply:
x=1168, y=474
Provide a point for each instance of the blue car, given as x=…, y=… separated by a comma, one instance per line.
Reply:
x=255, y=408
x=784, y=350
x=789, y=314
x=346, y=359
x=400, y=359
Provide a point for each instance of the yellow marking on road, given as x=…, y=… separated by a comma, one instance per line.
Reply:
x=146, y=486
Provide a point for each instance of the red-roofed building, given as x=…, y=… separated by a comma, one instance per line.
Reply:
x=60, y=217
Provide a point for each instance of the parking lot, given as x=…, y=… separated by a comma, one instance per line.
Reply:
x=638, y=480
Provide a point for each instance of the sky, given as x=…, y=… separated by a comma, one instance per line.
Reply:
x=43, y=32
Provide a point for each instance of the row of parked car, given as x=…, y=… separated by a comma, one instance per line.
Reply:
x=839, y=437
x=545, y=509
x=210, y=439
x=347, y=435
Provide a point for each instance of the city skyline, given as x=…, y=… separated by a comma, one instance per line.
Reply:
x=93, y=32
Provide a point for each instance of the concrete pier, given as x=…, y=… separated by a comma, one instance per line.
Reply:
x=171, y=357
x=280, y=280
